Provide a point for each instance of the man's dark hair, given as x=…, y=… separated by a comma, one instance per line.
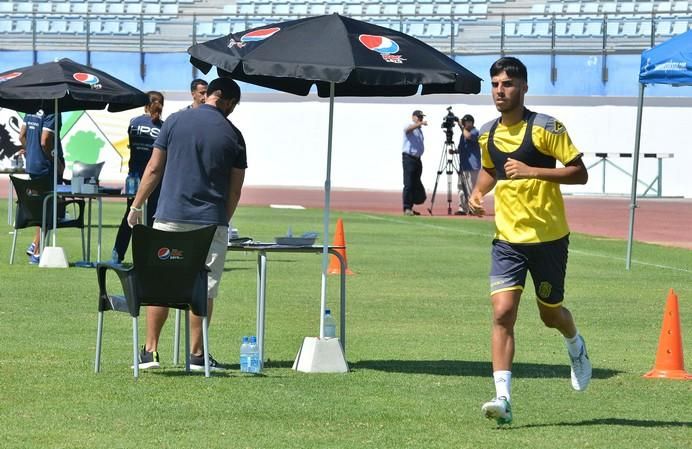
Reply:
x=512, y=66
x=229, y=89
x=196, y=82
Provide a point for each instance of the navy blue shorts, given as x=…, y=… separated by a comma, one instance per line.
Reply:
x=547, y=263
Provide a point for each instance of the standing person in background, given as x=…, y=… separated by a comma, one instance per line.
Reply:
x=201, y=147
x=142, y=133
x=37, y=136
x=469, y=162
x=198, y=91
x=412, y=150
x=520, y=150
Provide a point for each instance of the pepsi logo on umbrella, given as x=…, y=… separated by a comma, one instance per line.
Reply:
x=87, y=78
x=9, y=76
x=382, y=45
x=254, y=36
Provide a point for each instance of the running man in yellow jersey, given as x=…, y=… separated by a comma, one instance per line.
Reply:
x=519, y=154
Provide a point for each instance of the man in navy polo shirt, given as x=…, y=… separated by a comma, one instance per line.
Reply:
x=38, y=138
x=203, y=148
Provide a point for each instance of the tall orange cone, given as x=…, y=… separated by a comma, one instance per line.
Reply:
x=669, y=359
x=339, y=240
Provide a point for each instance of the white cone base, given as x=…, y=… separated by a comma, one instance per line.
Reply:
x=320, y=356
x=53, y=257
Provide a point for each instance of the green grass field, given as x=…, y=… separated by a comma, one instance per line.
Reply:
x=418, y=347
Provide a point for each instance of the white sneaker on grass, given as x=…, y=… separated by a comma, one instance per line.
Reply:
x=581, y=368
x=498, y=409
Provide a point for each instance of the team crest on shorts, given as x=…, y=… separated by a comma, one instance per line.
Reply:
x=544, y=290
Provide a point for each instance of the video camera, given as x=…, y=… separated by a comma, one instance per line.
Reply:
x=448, y=124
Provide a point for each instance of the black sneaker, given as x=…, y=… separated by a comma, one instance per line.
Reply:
x=148, y=360
x=197, y=363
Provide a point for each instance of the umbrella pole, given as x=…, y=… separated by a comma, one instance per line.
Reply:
x=56, y=139
x=327, y=197
x=635, y=175
x=323, y=355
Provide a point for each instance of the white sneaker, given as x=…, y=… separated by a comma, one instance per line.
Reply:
x=581, y=368
x=498, y=409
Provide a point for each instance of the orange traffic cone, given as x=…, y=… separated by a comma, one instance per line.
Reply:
x=669, y=359
x=339, y=240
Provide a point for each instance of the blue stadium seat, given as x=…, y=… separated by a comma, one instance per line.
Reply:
x=538, y=8
x=645, y=7
x=645, y=28
x=263, y=9
x=98, y=8
x=23, y=26
x=594, y=28
x=663, y=7
x=680, y=26
x=629, y=28
x=525, y=29
x=133, y=8
x=555, y=8
x=408, y=9
x=204, y=29
x=434, y=30
x=443, y=9
x=391, y=9
x=169, y=10
x=373, y=9
x=561, y=28
x=318, y=9
x=663, y=27
x=680, y=6
x=626, y=8
x=337, y=8
x=299, y=9
x=149, y=27
x=58, y=26
x=541, y=28
x=222, y=28
x=6, y=8
x=26, y=8
x=510, y=29
x=80, y=8
x=76, y=26
x=110, y=27
x=43, y=26
x=5, y=26
x=609, y=7
x=613, y=28
x=152, y=9
x=130, y=27
x=461, y=10
x=573, y=8
x=416, y=29
x=116, y=8
x=479, y=9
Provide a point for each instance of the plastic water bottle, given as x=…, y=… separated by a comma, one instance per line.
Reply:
x=130, y=188
x=329, y=324
x=245, y=355
x=255, y=363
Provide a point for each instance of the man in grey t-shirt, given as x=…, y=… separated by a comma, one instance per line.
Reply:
x=201, y=146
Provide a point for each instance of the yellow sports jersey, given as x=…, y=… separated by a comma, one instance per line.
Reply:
x=529, y=210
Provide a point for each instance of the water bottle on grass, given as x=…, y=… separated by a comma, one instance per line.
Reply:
x=329, y=324
x=245, y=355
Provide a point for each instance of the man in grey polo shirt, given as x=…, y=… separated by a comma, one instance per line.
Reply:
x=203, y=148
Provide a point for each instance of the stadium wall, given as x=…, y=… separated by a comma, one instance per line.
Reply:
x=286, y=135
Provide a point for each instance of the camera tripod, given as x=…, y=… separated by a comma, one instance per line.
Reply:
x=448, y=166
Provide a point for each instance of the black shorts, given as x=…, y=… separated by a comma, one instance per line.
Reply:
x=547, y=263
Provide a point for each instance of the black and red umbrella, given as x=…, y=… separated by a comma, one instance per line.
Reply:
x=340, y=56
x=65, y=85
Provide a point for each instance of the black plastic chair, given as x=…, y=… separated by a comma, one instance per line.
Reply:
x=168, y=270
x=30, y=196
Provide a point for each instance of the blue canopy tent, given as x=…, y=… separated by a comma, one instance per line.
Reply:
x=667, y=63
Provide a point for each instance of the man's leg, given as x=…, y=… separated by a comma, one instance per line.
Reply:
x=409, y=172
x=149, y=356
x=196, y=340
x=558, y=317
x=505, y=307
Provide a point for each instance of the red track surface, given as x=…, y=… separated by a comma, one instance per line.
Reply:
x=662, y=221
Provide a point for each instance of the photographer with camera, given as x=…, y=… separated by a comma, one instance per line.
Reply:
x=469, y=162
x=412, y=150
